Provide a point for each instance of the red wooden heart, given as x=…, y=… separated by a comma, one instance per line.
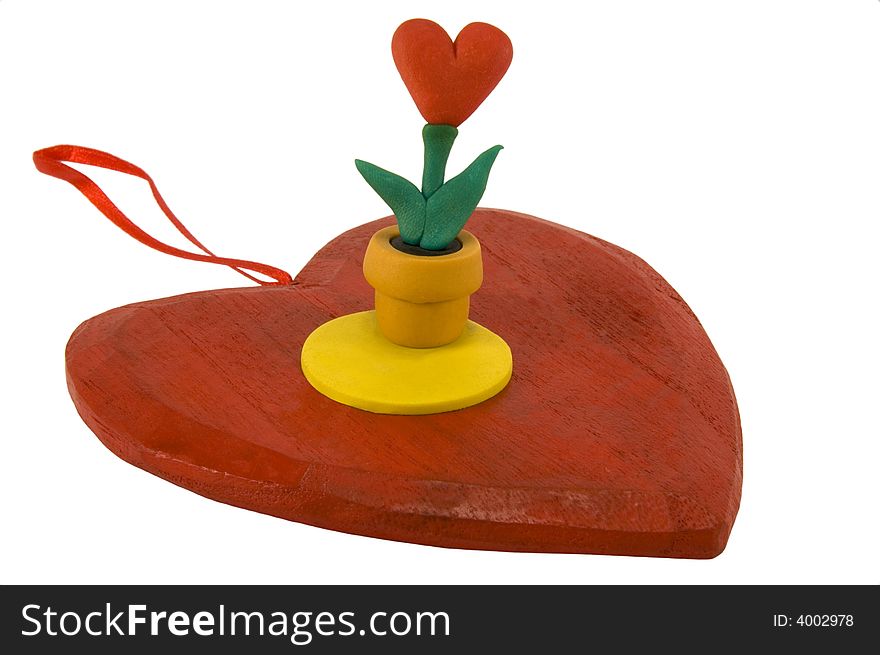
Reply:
x=447, y=80
x=619, y=432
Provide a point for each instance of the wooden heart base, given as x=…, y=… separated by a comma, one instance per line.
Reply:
x=618, y=433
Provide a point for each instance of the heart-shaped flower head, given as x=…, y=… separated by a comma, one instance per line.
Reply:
x=449, y=79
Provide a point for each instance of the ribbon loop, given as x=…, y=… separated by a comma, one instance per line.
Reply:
x=50, y=162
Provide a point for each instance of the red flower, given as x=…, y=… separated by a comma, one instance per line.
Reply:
x=447, y=80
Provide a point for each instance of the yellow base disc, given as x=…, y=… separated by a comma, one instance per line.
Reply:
x=348, y=360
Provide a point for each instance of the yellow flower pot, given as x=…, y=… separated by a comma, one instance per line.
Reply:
x=422, y=301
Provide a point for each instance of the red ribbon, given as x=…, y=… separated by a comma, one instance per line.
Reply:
x=49, y=161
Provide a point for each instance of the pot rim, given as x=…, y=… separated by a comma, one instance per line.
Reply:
x=419, y=279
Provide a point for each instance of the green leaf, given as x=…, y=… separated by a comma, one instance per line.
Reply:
x=401, y=195
x=449, y=208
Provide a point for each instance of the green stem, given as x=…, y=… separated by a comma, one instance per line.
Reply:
x=438, y=142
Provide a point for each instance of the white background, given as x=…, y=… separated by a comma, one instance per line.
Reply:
x=735, y=146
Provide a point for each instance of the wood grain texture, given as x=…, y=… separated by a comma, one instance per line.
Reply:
x=618, y=433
